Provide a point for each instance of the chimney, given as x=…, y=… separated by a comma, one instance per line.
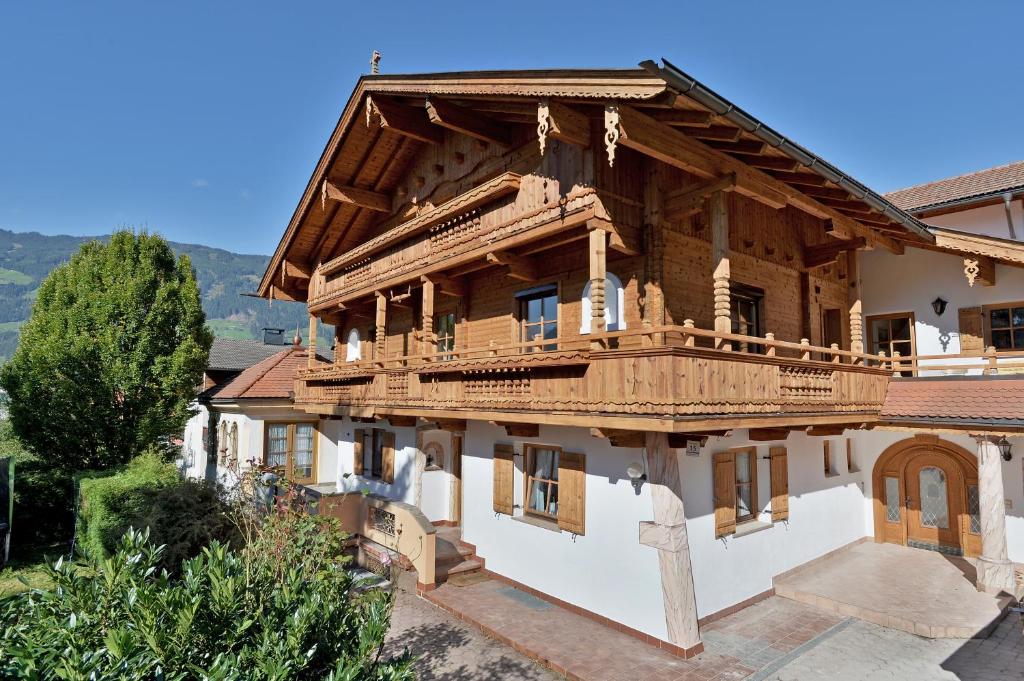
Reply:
x=273, y=336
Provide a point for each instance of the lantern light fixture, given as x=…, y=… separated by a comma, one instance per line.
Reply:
x=939, y=305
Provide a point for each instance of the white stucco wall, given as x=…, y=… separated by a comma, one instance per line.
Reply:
x=987, y=220
x=403, y=488
x=910, y=282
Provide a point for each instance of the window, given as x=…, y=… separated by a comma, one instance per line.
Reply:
x=614, y=305
x=826, y=450
x=542, y=481
x=374, y=454
x=746, y=484
x=445, y=330
x=291, y=450
x=1006, y=326
x=353, y=351
x=538, y=316
x=747, y=305
x=891, y=333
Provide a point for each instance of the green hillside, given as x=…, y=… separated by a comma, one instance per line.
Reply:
x=27, y=257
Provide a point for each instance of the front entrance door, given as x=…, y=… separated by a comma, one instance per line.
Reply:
x=933, y=501
x=456, y=495
x=926, y=496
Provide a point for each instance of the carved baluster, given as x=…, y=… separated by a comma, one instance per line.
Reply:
x=881, y=359
x=805, y=352
x=381, y=321
x=688, y=338
x=429, y=346
x=769, y=348
x=598, y=259
x=311, y=351
x=856, y=316
x=895, y=363
x=835, y=353
x=720, y=262
x=990, y=355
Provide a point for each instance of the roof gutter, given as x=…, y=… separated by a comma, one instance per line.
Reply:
x=698, y=92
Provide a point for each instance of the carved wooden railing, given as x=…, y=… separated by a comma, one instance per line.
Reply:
x=662, y=371
x=442, y=238
x=989, y=362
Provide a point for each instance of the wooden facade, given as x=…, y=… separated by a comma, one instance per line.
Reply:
x=460, y=197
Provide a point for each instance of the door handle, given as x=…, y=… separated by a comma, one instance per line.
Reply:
x=907, y=501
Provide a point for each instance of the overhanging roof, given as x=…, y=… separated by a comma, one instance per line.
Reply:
x=377, y=159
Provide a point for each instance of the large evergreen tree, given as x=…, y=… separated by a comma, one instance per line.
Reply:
x=108, y=363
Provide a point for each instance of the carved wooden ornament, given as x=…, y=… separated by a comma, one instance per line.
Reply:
x=543, y=123
x=611, y=130
x=971, y=270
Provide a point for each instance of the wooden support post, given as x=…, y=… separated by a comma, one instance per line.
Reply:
x=688, y=338
x=428, y=345
x=598, y=269
x=720, y=262
x=311, y=351
x=769, y=348
x=381, y=322
x=654, y=255
x=856, y=315
x=669, y=536
x=805, y=353
x=992, y=367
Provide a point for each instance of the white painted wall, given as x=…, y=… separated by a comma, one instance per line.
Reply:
x=403, y=488
x=987, y=220
x=910, y=282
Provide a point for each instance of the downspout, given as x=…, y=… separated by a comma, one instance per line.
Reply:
x=1007, y=204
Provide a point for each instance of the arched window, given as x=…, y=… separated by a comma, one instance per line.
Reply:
x=352, y=349
x=614, y=305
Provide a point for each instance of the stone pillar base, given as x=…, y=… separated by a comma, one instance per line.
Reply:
x=995, y=576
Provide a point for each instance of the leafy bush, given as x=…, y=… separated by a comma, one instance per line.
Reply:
x=282, y=608
x=110, y=502
x=182, y=515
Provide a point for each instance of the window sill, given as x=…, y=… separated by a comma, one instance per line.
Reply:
x=427, y=469
x=543, y=523
x=831, y=475
x=751, y=526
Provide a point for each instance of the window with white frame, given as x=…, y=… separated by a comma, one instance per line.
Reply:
x=614, y=305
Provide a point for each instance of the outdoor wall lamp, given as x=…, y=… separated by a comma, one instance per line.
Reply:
x=637, y=477
x=939, y=305
x=1005, y=448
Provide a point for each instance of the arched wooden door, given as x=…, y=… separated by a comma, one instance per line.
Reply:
x=926, y=496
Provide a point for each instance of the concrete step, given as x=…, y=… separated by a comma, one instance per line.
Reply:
x=464, y=567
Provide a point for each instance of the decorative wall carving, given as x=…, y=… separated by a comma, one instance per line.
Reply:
x=611, y=131
x=971, y=270
x=805, y=383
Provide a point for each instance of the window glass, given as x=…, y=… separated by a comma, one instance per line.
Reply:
x=277, y=446
x=974, y=508
x=377, y=463
x=539, y=317
x=1006, y=328
x=892, y=500
x=445, y=330
x=542, y=493
x=745, y=315
x=302, y=464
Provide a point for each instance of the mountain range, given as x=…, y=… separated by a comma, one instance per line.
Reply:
x=27, y=257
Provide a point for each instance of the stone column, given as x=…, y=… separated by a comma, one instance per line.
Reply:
x=995, y=571
x=668, y=534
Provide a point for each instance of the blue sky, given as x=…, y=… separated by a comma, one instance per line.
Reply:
x=203, y=120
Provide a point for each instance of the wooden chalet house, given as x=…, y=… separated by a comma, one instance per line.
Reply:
x=611, y=328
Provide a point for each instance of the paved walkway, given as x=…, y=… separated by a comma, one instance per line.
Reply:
x=882, y=584
x=863, y=650
x=760, y=637
x=451, y=650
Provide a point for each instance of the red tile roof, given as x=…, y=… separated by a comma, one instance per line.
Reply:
x=969, y=400
x=271, y=378
x=977, y=184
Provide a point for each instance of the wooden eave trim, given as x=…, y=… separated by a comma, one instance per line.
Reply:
x=957, y=243
x=479, y=195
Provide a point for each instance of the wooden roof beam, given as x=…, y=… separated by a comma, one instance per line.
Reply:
x=684, y=203
x=697, y=119
x=559, y=122
x=739, y=146
x=626, y=126
x=621, y=238
x=467, y=122
x=403, y=120
x=828, y=253
x=364, y=198
x=516, y=266
x=446, y=285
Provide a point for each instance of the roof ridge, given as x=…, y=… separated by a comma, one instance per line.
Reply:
x=955, y=177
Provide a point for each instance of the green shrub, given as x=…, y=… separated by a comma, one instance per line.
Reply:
x=282, y=608
x=110, y=502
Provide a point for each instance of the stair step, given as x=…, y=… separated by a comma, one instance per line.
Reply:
x=465, y=567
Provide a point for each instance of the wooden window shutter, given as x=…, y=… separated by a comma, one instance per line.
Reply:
x=572, y=492
x=388, y=474
x=504, y=468
x=357, y=451
x=724, y=468
x=972, y=329
x=780, y=483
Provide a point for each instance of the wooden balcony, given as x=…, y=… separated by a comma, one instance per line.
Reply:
x=671, y=378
